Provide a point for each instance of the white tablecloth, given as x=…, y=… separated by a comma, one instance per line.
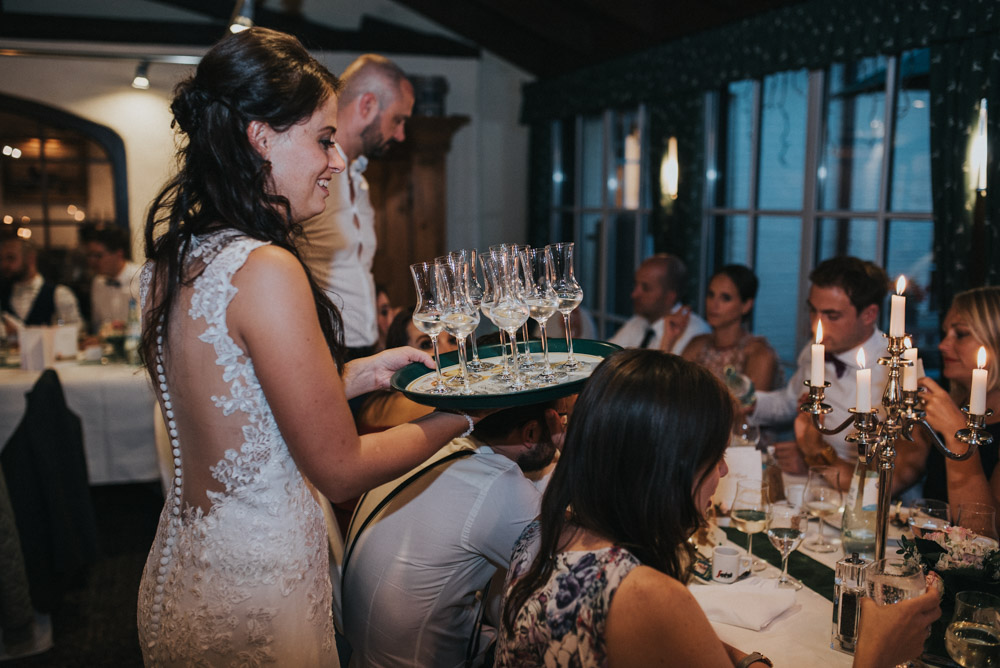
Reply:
x=116, y=406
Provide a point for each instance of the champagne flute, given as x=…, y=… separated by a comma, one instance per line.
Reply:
x=520, y=282
x=541, y=299
x=476, y=295
x=486, y=305
x=822, y=497
x=509, y=311
x=569, y=294
x=786, y=527
x=973, y=635
x=459, y=315
x=749, y=513
x=927, y=515
x=427, y=314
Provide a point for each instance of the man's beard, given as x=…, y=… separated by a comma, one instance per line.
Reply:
x=373, y=144
x=538, y=457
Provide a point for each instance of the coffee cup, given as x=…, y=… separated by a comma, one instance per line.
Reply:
x=728, y=565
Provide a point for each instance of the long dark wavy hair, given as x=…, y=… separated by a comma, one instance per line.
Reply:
x=223, y=183
x=646, y=430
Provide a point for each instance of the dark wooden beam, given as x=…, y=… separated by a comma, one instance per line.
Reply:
x=374, y=35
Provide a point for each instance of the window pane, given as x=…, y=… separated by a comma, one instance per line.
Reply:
x=783, y=140
x=623, y=182
x=911, y=253
x=588, y=263
x=847, y=236
x=563, y=149
x=592, y=161
x=777, y=267
x=911, y=179
x=739, y=131
x=734, y=240
x=621, y=256
x=562, y=226
x=854, y=136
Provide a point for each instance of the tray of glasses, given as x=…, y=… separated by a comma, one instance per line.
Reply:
x=490, y=390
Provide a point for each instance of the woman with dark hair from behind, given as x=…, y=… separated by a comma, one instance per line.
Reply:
x=599, y=579
x=729, y=301
x=246, y=356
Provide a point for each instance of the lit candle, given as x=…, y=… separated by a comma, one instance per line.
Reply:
x=897, y=313
x=909, y=372
x=977, y=399
x=864, y=379
x=817, y=376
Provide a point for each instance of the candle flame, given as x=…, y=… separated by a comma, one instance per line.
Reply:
x=981, y=357
x=819, y=331
x=861, y=358
x=901, y=285
x=907, y=343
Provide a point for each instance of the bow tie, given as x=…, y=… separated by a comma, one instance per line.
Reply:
x=112, y=282
x=838, y=365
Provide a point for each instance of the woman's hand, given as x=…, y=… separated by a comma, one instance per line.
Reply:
x=942, y=413
x=368, y=374
x=891, y=634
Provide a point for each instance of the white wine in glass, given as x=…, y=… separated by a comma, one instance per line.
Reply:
x=822, y=498
x=749, y=513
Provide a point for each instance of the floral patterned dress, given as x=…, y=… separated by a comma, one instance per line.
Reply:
x=562, y=624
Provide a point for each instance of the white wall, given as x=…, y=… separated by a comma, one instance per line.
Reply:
x=487, y=166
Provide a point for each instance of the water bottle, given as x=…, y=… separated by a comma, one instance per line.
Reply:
x=858, y=528
x=133, y=333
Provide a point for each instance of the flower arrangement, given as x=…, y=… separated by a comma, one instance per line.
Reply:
x=956, y=551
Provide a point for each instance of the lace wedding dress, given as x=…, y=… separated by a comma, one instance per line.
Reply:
x=238, y=572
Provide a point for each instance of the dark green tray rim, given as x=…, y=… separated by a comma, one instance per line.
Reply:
x=411, y=372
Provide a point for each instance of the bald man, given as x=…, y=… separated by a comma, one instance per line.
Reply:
x=339, y=244
x=660, y=321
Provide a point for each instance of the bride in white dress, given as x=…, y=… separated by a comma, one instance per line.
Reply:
x=245, y=354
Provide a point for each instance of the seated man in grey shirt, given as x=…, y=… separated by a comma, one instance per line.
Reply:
x=415, y=577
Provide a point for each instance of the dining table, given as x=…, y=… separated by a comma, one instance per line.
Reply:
x=801, y=635
x=117, y=409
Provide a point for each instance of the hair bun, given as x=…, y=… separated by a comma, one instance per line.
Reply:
x=189, y=106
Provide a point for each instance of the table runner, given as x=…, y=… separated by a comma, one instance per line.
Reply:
x=813, y=574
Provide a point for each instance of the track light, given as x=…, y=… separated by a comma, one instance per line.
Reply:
x=141, y=80
x=242, y=16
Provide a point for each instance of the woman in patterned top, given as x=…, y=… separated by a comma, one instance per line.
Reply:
x=599, y=580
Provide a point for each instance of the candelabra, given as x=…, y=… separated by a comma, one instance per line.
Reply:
x=876, y=438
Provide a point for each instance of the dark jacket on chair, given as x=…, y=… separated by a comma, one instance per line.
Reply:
x=46, y=473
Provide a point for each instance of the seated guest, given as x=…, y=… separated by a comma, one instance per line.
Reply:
x=385, y=312
x=600, y=579
x=24, y=293
x=972, y=321
x=415, y=579
x=728, y=304
x=115, y=283
x=659, y=321
x=845, y=296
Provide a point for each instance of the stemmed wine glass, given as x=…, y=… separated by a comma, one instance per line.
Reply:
x=822, y=497
x=509, y=311
x=786, y=527
x=476, y=295
x=973, y=635
x=458, y=312
x=569, y=293
x=541, y=299
x=980, y=518
x=486, y=305
x=519, y=283
x=427, y=313
x=927, y=515
x=749, y=513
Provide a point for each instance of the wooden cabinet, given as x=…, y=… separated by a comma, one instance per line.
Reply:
x=408, y=191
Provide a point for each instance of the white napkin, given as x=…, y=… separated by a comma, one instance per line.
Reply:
x=752, y=603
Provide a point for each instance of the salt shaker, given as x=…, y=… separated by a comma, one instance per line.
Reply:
x=848, y=589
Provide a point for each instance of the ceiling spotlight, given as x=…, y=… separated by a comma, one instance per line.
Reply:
x=242, y=16
x=141, y=80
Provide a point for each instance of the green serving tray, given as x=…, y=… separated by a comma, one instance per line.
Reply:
x=405, y=376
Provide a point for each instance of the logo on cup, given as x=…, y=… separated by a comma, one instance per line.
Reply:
x=728, y=564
